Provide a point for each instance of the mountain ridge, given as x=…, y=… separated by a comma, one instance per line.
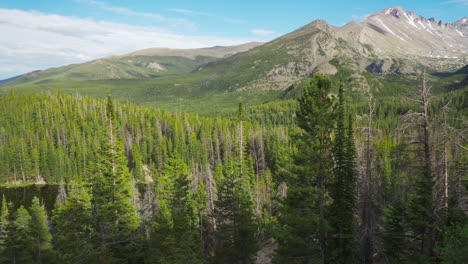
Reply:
x=153, y=62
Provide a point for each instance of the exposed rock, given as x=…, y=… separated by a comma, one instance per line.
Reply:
x=156, y=66
x=40, y=181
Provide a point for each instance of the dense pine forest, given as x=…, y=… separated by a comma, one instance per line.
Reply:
x=322, y=177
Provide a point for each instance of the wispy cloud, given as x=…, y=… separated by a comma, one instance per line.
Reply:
x=198, y=13
x=121, y=10
x=462, y=2
x=189, y=12
x=39, y=40
x=129, y=12
x=262, y=32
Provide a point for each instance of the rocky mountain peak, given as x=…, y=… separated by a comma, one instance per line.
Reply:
x=396, y=11
x=408, y=16
x=462, y=22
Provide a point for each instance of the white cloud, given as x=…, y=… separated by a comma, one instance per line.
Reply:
x=33, y=40
x=128, y=12
x=262, y=32
x=189, y=12
x=197, y=13
x=121, y=10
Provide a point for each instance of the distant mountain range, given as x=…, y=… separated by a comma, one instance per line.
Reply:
x=153, y=62
x=388, y=43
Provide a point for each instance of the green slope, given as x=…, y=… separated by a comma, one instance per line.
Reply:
x=146, y=63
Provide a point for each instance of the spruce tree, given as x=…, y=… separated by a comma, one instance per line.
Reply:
x=184, y=215
x=114, y=215
x=394, y=241
x=176, y=232
x=235, y=222
x=19, y=241
x=74, y=224
x=4, y=218
x=302, y=226
x=41, y=233
x=342, y=191
x=162, y=241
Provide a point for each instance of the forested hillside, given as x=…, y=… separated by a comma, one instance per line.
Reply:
x=318, y=179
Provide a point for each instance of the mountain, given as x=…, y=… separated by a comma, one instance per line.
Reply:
x=391, y=41
x=395, y=33
x=381, y=53
x=153, y=62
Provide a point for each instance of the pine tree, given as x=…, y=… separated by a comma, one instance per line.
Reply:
x=19, y=241
x=341, y=213
x=184, y=215
x=115, y=216
x=235, y=221
x=4, y=218
x=394, y=233
x=455, y=246
x=176, y=233
x=74, y=224
x=302, y=227
x=40, y=233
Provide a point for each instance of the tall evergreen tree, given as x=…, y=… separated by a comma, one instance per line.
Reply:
x=184, y=214
x=342, y=191
x=4, y=217
x=74, y=225
x=302, y=233
x=394, y=241
x=41, y=233
x=19, y=247
x=235, y=221
x=176, y=233
x=114, y=214
x=162, y=241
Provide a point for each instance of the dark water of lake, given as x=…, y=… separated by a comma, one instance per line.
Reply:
x=47, y=194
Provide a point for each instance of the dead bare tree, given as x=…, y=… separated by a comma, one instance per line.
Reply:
x=422, y=120
x=367, y=213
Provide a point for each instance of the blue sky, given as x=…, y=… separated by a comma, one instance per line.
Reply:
x=47, y=33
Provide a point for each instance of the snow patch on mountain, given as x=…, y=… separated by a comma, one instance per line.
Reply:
x=389, y=30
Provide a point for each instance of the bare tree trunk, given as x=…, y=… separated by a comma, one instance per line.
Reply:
x=367, y=210
x=445, y=161
x=425, y=99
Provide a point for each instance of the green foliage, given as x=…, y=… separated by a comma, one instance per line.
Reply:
x=114, y=214
x=4, y=218
x=394, y=237
x=41, y=233
x=19, y=241
x=162, y=244
x=124, y=67
x=343, y=191
x=175, y=237
x=302, y=215
x=74, y=225
x=235, y=222
x=455, y=245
